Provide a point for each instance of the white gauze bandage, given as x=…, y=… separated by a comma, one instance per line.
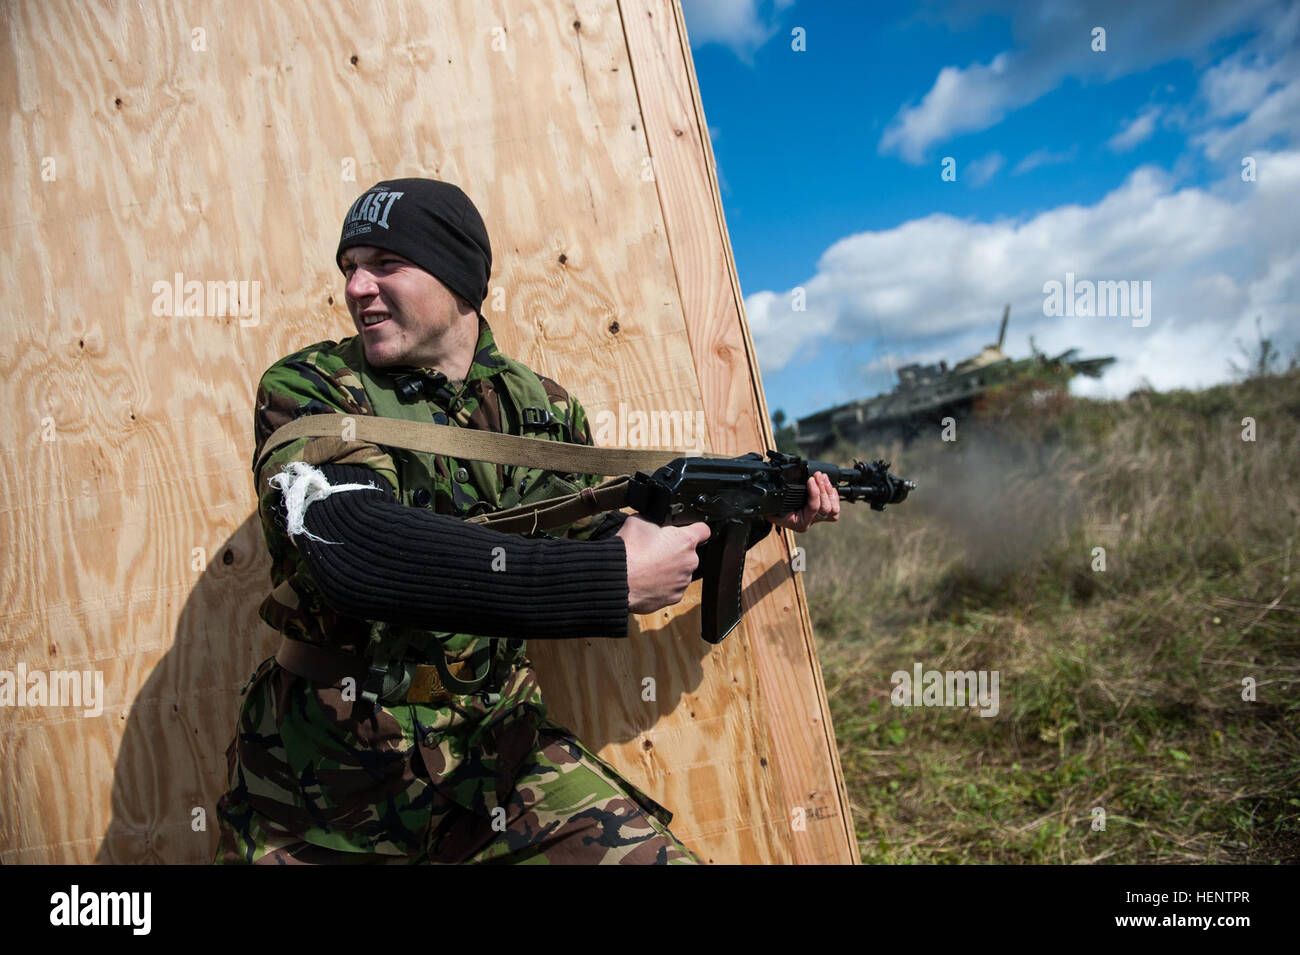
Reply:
x=303, y=485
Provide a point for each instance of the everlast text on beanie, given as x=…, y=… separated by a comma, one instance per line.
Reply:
x=433, y=224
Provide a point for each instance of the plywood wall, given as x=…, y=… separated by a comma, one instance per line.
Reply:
x=223, y=142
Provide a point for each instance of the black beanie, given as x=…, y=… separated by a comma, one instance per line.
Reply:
x=431, y=223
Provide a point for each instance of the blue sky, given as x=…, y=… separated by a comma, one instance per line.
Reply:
x=1122, y=164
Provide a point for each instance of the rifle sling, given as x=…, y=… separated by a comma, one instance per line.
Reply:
x=490, y=446
x=495, y=448
x=558, y=511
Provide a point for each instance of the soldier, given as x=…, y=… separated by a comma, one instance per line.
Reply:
x=400, y=720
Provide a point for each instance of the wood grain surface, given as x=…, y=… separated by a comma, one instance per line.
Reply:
x=776, y=624
x=155, y=144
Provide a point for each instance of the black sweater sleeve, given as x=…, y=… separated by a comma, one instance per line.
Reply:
x=410, y=566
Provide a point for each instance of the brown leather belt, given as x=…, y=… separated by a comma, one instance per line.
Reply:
x=332, y=667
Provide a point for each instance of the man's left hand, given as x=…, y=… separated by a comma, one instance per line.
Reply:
x=823, y=506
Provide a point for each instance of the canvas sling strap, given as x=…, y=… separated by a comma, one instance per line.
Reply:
x=494, y=448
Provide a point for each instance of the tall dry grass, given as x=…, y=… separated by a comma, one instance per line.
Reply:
x=1121, y=689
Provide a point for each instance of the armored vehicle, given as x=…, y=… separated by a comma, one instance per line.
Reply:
x=926, y=394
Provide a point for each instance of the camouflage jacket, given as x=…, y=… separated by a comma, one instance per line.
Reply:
x=341, y=773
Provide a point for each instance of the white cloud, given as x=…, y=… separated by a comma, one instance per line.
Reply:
x=735, y=24
x=1252, y=98
x=980, y=171
x=933, y=287
x=960, y=101
x=1137, y=130
x=1053, y=41
x=1234, y=87
x=1043, y=157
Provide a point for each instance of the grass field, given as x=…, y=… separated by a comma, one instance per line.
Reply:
x=1121, y=689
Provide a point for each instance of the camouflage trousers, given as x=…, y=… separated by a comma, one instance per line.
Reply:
x=568, y=807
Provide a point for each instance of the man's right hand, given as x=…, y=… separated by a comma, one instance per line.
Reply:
x=660, y=562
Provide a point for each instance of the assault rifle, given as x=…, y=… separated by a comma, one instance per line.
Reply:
x=730, y=494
